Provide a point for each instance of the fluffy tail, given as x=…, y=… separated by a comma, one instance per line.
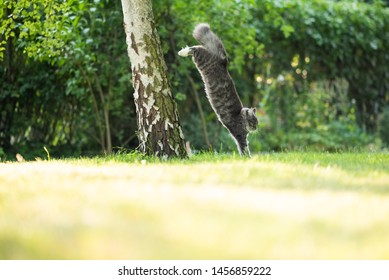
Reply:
x=210, y=41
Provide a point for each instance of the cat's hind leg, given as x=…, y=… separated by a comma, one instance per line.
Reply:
x=184, y=52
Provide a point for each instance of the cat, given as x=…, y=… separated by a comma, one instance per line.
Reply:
x=211, y=60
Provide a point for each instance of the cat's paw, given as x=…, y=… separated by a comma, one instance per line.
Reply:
x=185, y=51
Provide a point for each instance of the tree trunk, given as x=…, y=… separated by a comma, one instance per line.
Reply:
x=159, y=130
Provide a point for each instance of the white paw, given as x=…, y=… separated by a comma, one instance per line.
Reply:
x=184, y=52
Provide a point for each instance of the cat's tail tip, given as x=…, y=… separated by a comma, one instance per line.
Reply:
x=200, y=31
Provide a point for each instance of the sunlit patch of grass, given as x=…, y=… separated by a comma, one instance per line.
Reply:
x=128, y=206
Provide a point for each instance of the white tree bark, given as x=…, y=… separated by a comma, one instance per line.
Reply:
x=157, y=116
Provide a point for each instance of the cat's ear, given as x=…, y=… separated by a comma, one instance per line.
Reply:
x=254, y=110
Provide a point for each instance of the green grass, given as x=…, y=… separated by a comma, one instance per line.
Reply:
x=126, y=206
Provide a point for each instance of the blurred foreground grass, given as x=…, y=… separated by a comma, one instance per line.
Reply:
x=272, y=206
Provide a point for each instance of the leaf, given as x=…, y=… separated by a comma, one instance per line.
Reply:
x=374, y=44
x=287, y=30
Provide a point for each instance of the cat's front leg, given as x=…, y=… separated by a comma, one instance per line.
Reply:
x=246, y=152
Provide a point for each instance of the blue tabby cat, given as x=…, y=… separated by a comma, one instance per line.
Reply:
x=210, y=59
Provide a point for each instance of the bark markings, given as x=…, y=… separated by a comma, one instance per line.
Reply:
x=133, y=45
x=159, y=131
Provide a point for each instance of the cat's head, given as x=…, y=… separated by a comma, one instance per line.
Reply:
x=250, y=117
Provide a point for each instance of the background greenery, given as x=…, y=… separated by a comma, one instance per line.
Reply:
x=316, y=70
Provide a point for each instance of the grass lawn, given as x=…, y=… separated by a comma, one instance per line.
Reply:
x=272, y=206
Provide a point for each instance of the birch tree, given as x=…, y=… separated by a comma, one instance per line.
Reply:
x=159, y=130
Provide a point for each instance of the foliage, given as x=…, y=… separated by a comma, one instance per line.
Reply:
x=34, y=109
x=316, y=70
x=315, y=40
x=98, y=65
x=288, y=47
x=383, y=126
x=36, y=27
x=65, y=96
x=318, y=118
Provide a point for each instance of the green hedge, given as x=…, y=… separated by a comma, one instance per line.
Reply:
x=296, y=46
x=342, y=39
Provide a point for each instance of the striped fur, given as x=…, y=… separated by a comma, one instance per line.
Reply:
x=210, y=59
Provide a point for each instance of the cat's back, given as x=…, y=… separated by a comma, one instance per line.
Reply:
x=222, y=93
x=211, y=60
